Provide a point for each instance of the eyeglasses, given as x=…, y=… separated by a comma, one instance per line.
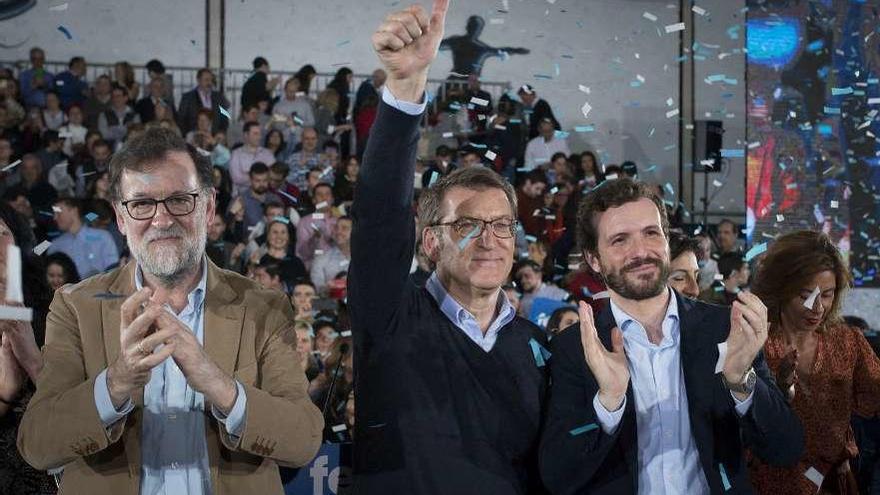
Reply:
x=177, y=205
x=503, y=228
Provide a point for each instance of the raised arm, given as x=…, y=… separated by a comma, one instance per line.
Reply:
x=383, y=236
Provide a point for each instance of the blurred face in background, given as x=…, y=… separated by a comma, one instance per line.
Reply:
x=684, y=274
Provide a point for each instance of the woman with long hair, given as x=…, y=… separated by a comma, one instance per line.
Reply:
x=341, y=83
x=123, y=74
x=826, y=367
x=280, y=246
x=60, y=270
x=305, y=75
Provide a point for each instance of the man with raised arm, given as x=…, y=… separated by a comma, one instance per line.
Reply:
x=449, y=382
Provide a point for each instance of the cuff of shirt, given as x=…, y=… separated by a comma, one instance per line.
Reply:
x=234, y=421
x=106, y=411
x=742, y=406
x=404, y=106
x=608, y=420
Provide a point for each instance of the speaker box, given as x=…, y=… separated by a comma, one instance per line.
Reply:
x=708, y=136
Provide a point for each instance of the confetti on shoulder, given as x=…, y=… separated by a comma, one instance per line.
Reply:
x=583, y=429
x=756, y=250
x=224, y=112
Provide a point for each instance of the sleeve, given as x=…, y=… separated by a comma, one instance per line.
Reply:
x=104, y=404
x=742, y=406
x=235, y=420
x=280, y=421
x=770, y=428
x=608, y=420
x=866, y=377
x=573, y=446
x=65, y=398
x=383, y=235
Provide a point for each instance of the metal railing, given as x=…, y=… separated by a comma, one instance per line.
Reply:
x=230, y=81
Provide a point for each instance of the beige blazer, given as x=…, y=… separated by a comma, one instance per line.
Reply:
x=248, y=333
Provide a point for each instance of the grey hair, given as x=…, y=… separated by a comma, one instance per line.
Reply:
x=473, y=178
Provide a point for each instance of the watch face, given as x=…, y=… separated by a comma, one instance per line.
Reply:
x=751, y=380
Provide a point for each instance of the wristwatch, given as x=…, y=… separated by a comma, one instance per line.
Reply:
x=745, y=386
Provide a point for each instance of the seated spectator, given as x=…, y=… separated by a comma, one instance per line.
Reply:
x=469, y=158
x=235, y=133
x=734, y=272
x=302, y=296
x=60, y=270
x=530, y=200
x=325, y=335
x=325, y=117
x=728, y=241
x=629, y=169
x=589, y=171
x=559, y=168
x=529, y=275
x=305, y=159
x=202, y=129
x=290, y=195
x=222, y=252
x=35, y=82
x=30, y=137
x=305, y=346
x=274, y=142
x=684, y=269
x=223, y=188
x=327, y=265
x=71, y=84
x=256, y=195
x=255, y=235
x=278, y=247
x=99, y=101
x=113, y=122
x=156, y=70
x=706, y=259
x=541, y=149
x=16, y=198
x=92, y=250
x=96, y=162
x=562, y=318
x=268, y=274
x=295, y=104
x=344, y=186
x=73, y=133
x=146, y=107
x=123, y=76
x=338, y=360
x=51, y=152
x=203, y=97
x=53, y=114
x=314, y=232
x=248, y=154
x=442, y=165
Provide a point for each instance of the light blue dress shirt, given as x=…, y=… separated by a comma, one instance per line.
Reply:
x=668, y=460
x=173, y=447
x=92, y=250
x=464, y=320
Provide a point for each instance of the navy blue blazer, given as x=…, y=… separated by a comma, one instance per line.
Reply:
x=596, y=463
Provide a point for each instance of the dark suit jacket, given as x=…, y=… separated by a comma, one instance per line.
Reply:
x=190, y=104
x=594, y=462
x=540, y=111
x=147, y=110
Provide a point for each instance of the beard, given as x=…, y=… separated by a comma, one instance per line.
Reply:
x=171, y=263
x=640, y=289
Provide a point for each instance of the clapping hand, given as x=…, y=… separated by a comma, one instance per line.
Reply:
x=608, y=367
x=748, y=333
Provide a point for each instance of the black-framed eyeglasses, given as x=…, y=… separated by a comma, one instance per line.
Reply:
x=177, y=205
x=503, y=228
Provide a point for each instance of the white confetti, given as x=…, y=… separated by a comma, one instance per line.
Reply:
x=16, y=313
x=339, y=428
x=669, y=102
x=490, y=154
x=674, y=28
x=834, y=204
x=585, y=89
x=10, y=166
x=780, y=218
x=13, y=274
x=649, y=16
x=59, y=8
x=812, y=299
x=42, y=247
x=345, y=333
x=815, y=476
x=447, y=134
x=698, y=10
x=479, y=101
x=672, y=113
x=722, y=355
x=586, y=109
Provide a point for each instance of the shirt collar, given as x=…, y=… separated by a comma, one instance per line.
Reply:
x=456, y=312
x=194, y=298
x=623, y=319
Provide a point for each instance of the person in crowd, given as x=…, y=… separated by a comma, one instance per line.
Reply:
x=204, y=96
x=279, y=247
x=536, y=110
x=71, y=85
x=257, y=194
x=339, y=358
x=202, y=130
x=530, y=281
x=637, y=405
x=35, y=82
x=366, y=115
x=147, y=107
x=306, y=74
x=684, y=268
x=305, y=346
x=467, y=224
x=113, y=122
x=274, y=142
x=30, y=137
x=825, y=367
x=341, y=83
x=60, y=270
x=541, y=148
x=245, y=156
x=53, y=114
x=530, y=199
x=589, y=171
x=302, y=161
x=295, y=103
x=369, y=88
x=215, y=394
x=222, y=252
x=73, y=132
x=98, y=186
x=328, y=264
x=325, y=117
x=99, y=101
x=707, y=261
x=100, y=253
x=156, y=70
x=734, y=272
x=561, y=318
x=52, y=151
x=11, y=109
x=301, y=298
x=727, y=237
x=267, y=273
x=20, y=359
x=123, y=75
x=346, y=181
x=96, y=162
x=259, y=87
x=314, y=232
x=40, y=193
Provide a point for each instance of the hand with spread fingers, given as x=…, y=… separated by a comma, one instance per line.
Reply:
x=608, y=367
x=201, y=373
x=137, y=347
x=406, y=43
x=748, y=332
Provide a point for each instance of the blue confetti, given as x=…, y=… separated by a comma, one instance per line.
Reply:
x=91, y=216
x=288, y=196
x=279, y=218
x=433, y=179
x=467, y=239
x=733, y=153
x=541, y=355
x=756, y=250
x=224, y=112
x=724, y=480
x=66, y=32
x=584, y=128
x=583, y=429
x=343, y=43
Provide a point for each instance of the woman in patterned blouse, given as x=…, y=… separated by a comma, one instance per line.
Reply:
x=827, y=368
